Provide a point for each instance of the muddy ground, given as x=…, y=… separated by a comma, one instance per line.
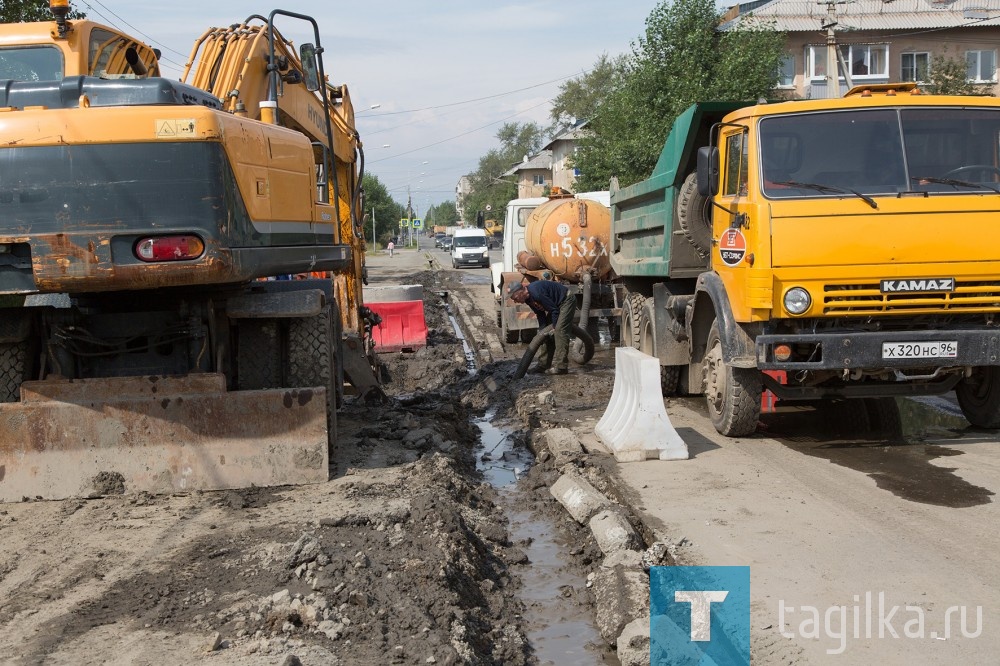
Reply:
x=405, y=557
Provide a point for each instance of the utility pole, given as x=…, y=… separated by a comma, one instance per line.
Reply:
x=832, y=73
x=374, y=238
x=409, y=217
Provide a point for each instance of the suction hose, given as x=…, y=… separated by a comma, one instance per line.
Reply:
x=581, y=358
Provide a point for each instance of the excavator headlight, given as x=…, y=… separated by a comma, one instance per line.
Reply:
x=169, y=248
x=797, y=300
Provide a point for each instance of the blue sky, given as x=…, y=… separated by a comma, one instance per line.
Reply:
x=423, y=63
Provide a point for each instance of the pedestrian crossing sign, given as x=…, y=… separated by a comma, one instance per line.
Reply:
x=418, y=224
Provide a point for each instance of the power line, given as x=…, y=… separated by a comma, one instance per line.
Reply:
x=478, y=99
x=437, y=143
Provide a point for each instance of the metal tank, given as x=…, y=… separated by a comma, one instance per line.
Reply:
x=569, y=237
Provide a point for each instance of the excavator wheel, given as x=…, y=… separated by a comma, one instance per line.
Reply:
x=311, y=357
x=13, y=363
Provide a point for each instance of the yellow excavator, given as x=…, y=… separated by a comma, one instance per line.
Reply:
x=145, y=343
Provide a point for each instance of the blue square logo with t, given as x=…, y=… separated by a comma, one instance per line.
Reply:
x=699, y=615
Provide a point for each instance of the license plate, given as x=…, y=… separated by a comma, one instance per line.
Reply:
x=906, y=350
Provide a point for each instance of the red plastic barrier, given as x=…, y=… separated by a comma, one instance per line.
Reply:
x=768, y=400
x=403, y=326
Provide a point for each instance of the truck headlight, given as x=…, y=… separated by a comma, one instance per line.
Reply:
x=797, y=300
x=486, y=254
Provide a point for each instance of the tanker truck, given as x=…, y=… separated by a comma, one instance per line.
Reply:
x=562, y=237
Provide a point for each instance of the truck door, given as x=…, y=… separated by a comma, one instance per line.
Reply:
x=734, y=234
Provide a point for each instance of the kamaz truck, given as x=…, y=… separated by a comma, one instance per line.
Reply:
x=837, y=252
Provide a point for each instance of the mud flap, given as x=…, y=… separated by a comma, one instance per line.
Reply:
x=90, y=437
x=635, y=425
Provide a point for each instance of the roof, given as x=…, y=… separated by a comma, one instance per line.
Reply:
x=571, y=134
x=542, y=160
x=805, y=16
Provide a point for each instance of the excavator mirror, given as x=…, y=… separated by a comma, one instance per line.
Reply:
x=307, y=54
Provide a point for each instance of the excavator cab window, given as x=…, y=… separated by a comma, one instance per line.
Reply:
x=31, y=63
x=307, y=54
x=109, y=55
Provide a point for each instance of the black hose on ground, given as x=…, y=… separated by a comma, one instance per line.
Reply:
x=540, y=339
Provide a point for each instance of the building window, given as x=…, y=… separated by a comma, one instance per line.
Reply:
x=981, y=66
x=786, y=71
x=865, y=61
x=915, y=67
x=538, y=179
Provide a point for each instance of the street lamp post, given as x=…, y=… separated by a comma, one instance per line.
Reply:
x=373, y=231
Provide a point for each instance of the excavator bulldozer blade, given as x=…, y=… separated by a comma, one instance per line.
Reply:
x=88, y=437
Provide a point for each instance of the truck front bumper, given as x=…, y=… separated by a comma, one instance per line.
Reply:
x=865, y=350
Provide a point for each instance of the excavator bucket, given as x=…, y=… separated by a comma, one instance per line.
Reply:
x=90, y=437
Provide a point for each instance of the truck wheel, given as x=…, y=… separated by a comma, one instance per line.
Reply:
x=527, y=334
x=694, y=215
x=732, y=394
x=669, y=374
x=884, y=418
x=13, y=363
x=979, y=397
x=512, y=336
x=631, y=315
x=311, y=361
x=499, y=318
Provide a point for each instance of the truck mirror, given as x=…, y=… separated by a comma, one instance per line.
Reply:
x=708, y=171
x=307, y=54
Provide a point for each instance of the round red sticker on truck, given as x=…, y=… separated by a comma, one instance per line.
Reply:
x=732, y=247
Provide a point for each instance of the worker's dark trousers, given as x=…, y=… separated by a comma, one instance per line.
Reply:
x=563, y=327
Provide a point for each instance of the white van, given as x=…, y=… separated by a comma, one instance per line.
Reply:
x=470, y=249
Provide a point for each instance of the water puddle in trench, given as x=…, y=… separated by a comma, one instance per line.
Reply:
x=558, y=621
x=470, y=355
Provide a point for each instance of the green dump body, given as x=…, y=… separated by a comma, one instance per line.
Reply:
x=643, y=222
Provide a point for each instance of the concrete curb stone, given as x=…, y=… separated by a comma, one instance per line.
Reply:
x=579, y=498
x=613, y=532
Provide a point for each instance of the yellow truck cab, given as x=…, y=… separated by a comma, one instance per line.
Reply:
x=847, y=253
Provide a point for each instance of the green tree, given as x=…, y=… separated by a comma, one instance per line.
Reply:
x=948, y=76
x=24, y=11
x=489, y=187
x=444, y=214
x=387, y=212
x=579, y=98
x=682, y=58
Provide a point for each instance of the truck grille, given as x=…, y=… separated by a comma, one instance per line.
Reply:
x=863, y=299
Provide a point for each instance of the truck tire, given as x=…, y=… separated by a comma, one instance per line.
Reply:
x=979, y=397
x=669, y=374
x=631, y=316
x=527, y=334
x=732, y=394
x=13, y=363
x=311, y=360
x=258, y=354
x=511, y=336
x=884, y=418
x=694, y=215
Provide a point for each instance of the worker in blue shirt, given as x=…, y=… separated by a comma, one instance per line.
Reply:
x=552, y=304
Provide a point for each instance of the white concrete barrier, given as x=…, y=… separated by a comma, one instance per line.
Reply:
x=635, y=426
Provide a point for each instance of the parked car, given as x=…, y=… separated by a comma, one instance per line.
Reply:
x=439, y=237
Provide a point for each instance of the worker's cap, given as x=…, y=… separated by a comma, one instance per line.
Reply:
x=514, y=288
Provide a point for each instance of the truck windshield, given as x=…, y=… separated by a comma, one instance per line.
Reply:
x=881, y=152
x=31, y=63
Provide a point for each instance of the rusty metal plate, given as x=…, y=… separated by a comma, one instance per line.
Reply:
x=158, y=435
